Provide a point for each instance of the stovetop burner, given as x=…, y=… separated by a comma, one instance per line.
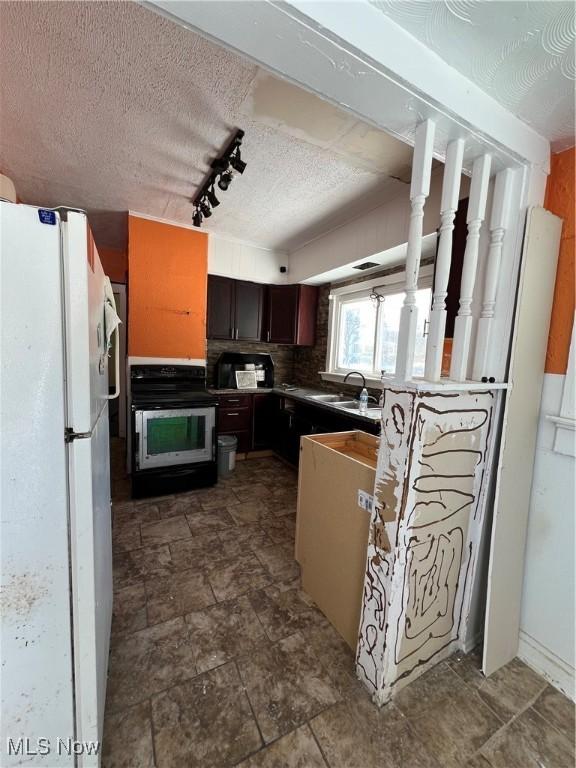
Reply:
x=160, y=386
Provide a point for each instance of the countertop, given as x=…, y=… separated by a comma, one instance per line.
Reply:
x=306, y=395
x=234, y=391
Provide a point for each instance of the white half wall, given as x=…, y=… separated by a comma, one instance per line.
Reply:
x=245, y=261
x=547, y=622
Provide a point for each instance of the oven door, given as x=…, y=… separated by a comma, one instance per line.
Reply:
x=166, y=438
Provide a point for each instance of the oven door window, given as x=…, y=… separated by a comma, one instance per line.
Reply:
x=167, y=438
x=170, y=434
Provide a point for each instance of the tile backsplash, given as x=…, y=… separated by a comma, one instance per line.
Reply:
x=282, y=357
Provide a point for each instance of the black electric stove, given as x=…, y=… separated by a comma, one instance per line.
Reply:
x=173, y=429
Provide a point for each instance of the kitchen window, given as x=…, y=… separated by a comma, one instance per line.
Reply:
x=364, y=325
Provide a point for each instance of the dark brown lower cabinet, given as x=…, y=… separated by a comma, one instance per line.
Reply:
x=264, y=420
x=249, y=417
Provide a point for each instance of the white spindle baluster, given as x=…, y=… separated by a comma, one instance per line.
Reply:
x=474, y=219
x=499, y=220
x=419, y=190
x=450, y=190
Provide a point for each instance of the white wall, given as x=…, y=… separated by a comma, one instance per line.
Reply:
x=377, y=230
x=547, y=622
x=244, y=261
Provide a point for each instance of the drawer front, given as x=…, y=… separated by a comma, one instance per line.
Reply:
x=233, y=419
x=234, y=401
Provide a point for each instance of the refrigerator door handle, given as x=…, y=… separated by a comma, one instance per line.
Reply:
x=116, y=392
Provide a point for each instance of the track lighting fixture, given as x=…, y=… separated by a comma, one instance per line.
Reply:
x=224, y=180
x=212, y=199
x=236, y=161
x=222, y=173
x=205, y=209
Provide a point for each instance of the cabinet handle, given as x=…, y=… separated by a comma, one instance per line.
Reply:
x=267, y=335
x=233, y=400
x=233, y=414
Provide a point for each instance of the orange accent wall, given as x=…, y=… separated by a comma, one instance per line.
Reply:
x=561, y=201
x=114, y=263
x=167, y=268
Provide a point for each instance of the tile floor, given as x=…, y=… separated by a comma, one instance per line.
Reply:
x=218, y=658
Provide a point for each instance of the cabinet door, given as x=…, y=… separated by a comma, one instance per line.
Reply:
x=265, y=418
x=306, y=319
x=220, y=323
x=282, y=314
x=249, y=305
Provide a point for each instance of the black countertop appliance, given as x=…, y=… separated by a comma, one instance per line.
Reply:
x=230, y=362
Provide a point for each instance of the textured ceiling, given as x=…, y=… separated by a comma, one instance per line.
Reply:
x=110, y=107
x=521, y=53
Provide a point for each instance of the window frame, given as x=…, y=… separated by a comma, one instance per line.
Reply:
x=387, y=285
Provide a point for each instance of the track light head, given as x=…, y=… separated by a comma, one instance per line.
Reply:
x=197, y=218
x=224, y=180
x=236, y=161
x=212, y=199
x=206, y=210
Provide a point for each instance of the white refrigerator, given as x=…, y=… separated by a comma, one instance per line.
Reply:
x=55, y=517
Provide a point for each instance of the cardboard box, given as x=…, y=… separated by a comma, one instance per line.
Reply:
x=331, y=528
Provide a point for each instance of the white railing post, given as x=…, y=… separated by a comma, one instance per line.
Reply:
x=499, y=221
x=449, y=205
x=474, y=219
x=419, y=190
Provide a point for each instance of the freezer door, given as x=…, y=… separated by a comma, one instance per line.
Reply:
x=86, y=359
x=91, y=556
x=35, y=626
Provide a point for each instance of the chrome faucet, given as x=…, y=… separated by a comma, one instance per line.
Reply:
x=357, y=373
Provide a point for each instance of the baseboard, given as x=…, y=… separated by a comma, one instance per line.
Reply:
x=558, y=673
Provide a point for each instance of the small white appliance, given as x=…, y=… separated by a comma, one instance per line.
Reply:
x=55, y=523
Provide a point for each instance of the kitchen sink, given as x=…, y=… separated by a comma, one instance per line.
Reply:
x=354, y=405
x=338, y=399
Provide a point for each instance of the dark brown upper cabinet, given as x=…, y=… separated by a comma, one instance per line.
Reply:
x=291, y=314
x=235, y=309
x=249, y=310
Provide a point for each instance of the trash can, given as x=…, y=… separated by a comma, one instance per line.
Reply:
x=226, y=455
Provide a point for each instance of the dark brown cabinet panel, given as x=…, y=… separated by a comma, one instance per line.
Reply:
x=236, y=312
x=220, y=321
x=265, y=416
x=235, y=401
x=235, y=309
x=282, y=311
x=291, y=314
x=248, y=311
x=233, y=419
